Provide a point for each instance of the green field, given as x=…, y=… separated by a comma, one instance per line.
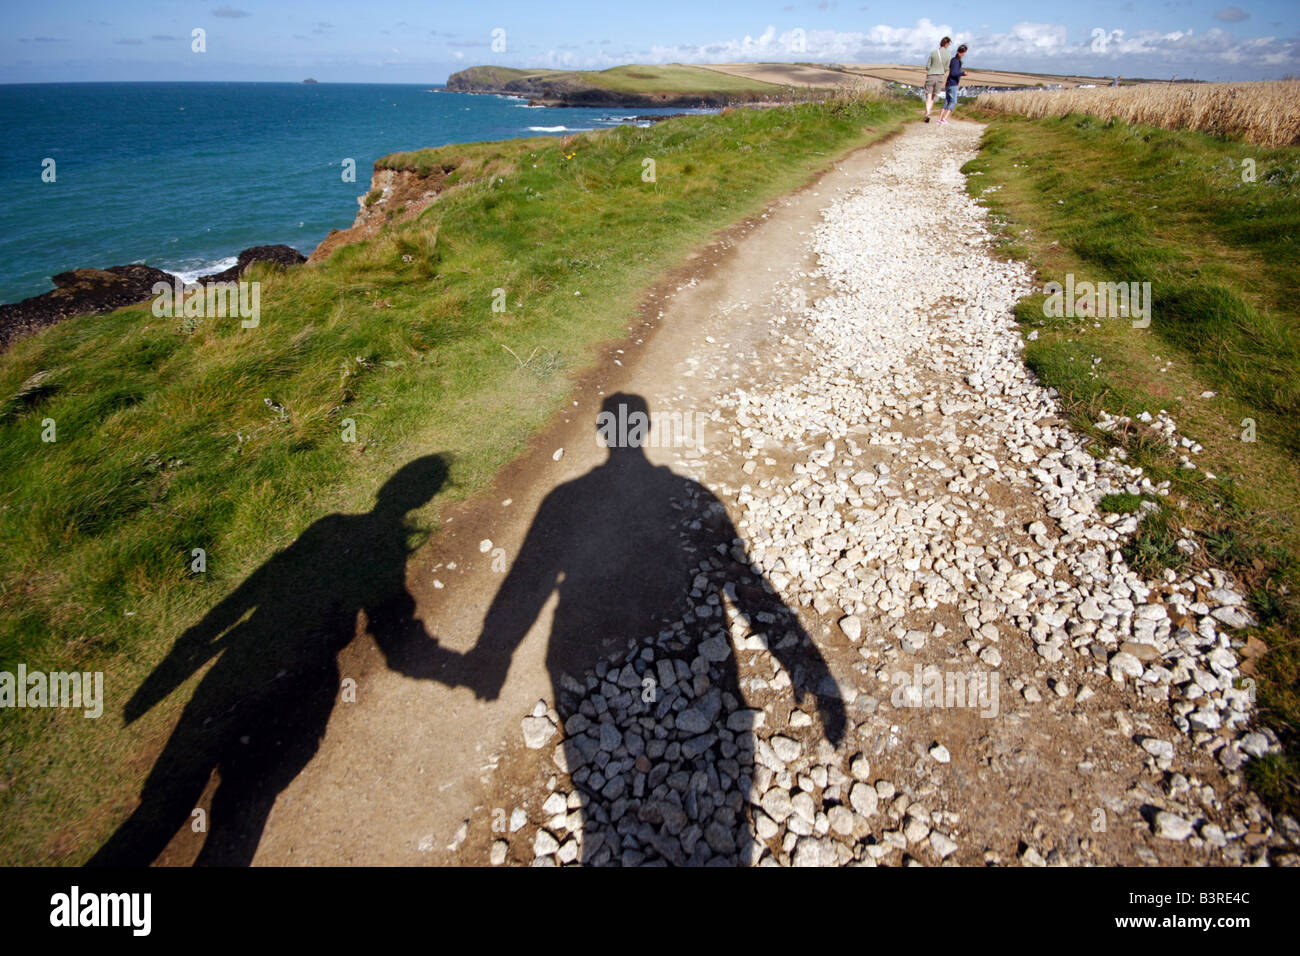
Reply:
x=1106, y=201
x=671, y=79
x=174, y=434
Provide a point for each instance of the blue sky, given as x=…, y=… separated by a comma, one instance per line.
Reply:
x=402, y=41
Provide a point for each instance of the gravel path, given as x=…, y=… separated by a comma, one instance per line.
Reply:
x=955, y=665
x=875, y=618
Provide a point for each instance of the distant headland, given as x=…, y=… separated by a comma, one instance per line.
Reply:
x=675, y=86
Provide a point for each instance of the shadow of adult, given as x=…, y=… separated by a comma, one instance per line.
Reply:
x=660, y=748
x=259, y=713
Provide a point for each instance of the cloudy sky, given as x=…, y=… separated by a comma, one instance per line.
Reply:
x=401, y=41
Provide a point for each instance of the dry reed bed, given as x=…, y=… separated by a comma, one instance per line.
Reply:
x=1266, y=113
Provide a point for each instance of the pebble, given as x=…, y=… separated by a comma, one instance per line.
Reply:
x=537, y=731
x=786, y=748
x=544, y=843
x=1170, y=826
x=942, y=844
x=863, y=799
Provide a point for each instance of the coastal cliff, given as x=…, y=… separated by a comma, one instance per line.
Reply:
x=403, y=185
x=395, y=195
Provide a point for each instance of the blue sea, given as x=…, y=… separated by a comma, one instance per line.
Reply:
x=183, y=176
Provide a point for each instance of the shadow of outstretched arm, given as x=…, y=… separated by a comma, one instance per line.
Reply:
x=767, y=613
x=408, y=648
x=532, y=578
x=800, y=658
x=198, y=644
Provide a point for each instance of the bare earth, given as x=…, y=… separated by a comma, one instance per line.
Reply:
x=429, y=772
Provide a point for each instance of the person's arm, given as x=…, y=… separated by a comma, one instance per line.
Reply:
x=800, y=658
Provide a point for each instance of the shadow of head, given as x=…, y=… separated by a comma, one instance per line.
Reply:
x=412, y=486
x=624, y=425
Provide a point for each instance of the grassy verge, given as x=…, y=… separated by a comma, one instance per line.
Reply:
x=174, y=434
x=1111, y=202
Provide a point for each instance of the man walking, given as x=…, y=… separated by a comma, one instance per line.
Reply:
x=935, y=71
x=955, y=73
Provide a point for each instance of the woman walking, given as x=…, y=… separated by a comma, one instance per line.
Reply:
x=955, y=73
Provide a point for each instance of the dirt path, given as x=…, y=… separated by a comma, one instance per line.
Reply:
x=692, y=655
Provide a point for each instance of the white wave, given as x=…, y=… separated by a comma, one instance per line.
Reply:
x=190, y=273
x=549, y=129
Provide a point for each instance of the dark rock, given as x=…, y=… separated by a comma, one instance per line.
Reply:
x=283, y=255
x=80, y=292
x=95, y=291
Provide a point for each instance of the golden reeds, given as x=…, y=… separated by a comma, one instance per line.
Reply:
x=1266, y=113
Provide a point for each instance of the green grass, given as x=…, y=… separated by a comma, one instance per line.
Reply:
x=166, y=441
x=1121, y=504
x=1112, y=202
x=672, y=78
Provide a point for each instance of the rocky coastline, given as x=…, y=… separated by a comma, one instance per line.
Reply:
x=96, y=291
x=394, y=195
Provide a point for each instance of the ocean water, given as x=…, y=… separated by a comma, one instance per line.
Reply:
x=183, y=176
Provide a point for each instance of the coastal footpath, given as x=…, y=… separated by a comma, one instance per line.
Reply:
x=872, y=614
x=890, y=599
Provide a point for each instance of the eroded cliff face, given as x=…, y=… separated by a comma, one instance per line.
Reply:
x=395, y=195
x=400, y=194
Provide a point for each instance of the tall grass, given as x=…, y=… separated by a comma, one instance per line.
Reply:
x=1266, y=114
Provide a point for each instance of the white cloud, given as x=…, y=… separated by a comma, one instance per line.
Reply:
x=1041, y=47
